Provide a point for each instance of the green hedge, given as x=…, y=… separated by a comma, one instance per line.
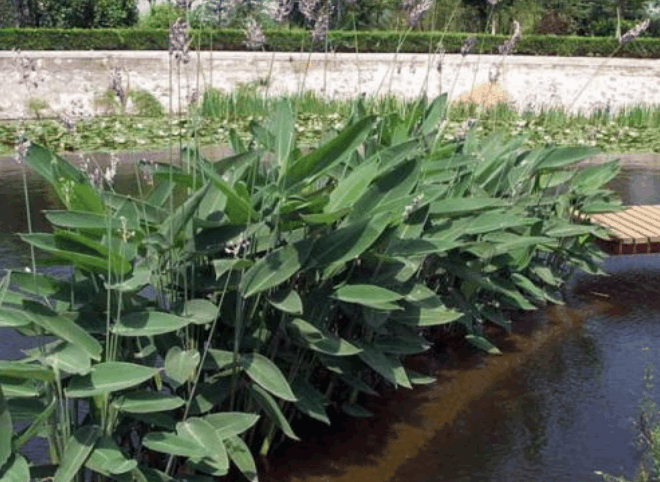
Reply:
x=338, y=41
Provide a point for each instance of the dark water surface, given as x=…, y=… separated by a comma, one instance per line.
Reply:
x=557, y=406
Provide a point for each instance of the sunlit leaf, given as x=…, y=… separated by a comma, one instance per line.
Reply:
x=147, y=402
x=76, y=451
x=181, y=365
x=109, y=377
x=269, y=404
x=230, y=424
x=264, y=372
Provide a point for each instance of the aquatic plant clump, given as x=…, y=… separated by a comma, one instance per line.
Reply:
x=237, y=296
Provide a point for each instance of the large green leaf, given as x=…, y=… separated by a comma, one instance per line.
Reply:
x=200, y=311
x=179, y=219
x=306, y=168
x=592, y=178
x=69, y=358
x=268, y=375
x=15, y=470
x=76, y=451
x=366, y=295
x=351, y=187
x=149, y=323
x=72, y=247
x=230, y=424
x=238, y=210
x=311, y=402
x=320, y=341
x=109, y=377
x=147, y=402
x=269, y=404
x=275, y=268
x=284, y=126
x=13, y=318
x=240, y=454
x=6, y=431
x=461, y=206
x=90, y=221
x=63, y=327
x=483, y=344
x=388, y=366
x=181, y=365
x=349, y=242
x=170, y=443
x=202, y=433
x=565, y=156
x=107, y=459
x=15, y=369
x=289, y=303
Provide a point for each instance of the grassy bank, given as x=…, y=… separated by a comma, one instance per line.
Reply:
x=634, y=129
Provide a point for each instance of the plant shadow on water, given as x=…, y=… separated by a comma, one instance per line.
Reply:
x=559, y=403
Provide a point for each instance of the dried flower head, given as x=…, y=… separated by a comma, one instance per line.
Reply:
x=494, y=74
x=94, y=174
x=21, y=149
x=321, y=25
x=179, y=41
x=280, y=10
x=417, y=12
x=507, y=47
x=467, y=45
x=464, y=128
x=146, y=168
x=184, y=4
x=27, y=70
x=309, y=9
x=111, y=172
x=74, y=114
x=492, y=2
x=255, y=38
x=116, y=85
x=632, y=34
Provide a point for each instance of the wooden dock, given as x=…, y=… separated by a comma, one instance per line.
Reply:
x=635, y=230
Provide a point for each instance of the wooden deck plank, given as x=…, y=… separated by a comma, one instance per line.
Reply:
x=620, y=224
x=640, y=223
x=626, y=234
x=643, y=216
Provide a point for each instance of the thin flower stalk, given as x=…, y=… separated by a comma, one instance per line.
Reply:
x=321, y=26
x=467, y=45
x=507, y=47
x=417, y=12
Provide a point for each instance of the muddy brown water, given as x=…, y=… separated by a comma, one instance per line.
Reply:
x=556, y=406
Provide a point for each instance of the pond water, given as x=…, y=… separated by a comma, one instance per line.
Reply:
x=558, y=405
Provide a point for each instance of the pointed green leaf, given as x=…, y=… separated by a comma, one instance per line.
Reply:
x=269, y=404
x=16, y=469
x=238, y=210
x=240, y=454
x=147, y=402
x=181, y=365
x=355, y=410
x=203, y=434
x=109, y=377
x=268, y=375
x=76, y=451
x=351, y=187
x=69, y=358
x=366, y=295
x=6, y=431
x=200, y=311
x=90, y=221
x=564, y=156
x=483, y=344
x=25, y=371
x=388, y=366
x=284, y=126
x=291, y=303
x=107, y=459
x=170, y=443
x=63, y=328
x=306, y=168
x=322, y=342
x=149, y=323
x=230, y=424
x=311, y=402
x=275, y=268
x=462, y=206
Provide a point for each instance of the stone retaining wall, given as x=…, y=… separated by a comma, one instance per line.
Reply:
x=526, y=82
